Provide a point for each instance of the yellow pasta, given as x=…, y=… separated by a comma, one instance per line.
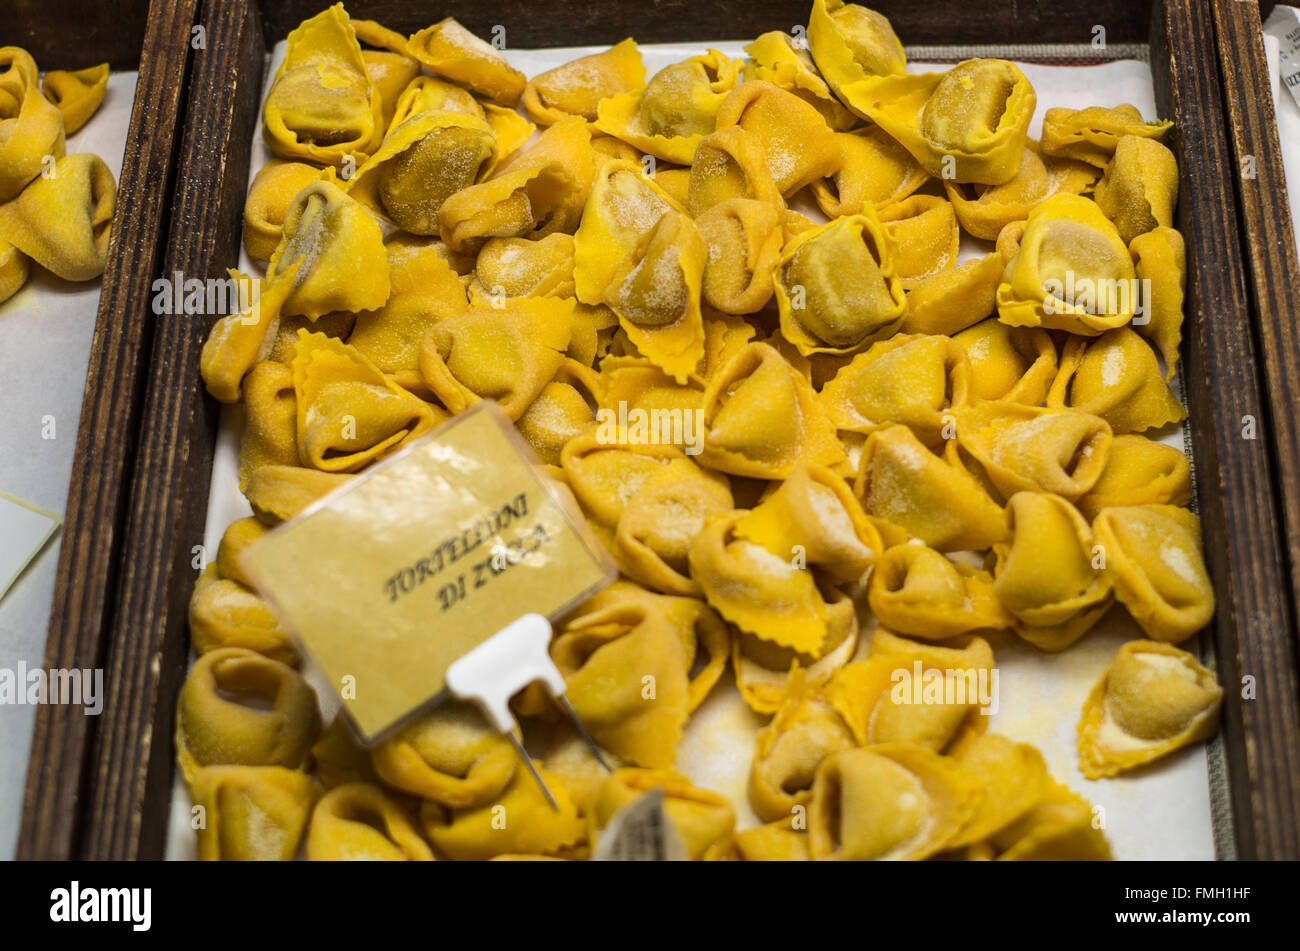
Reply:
x=62, y=222
x=358, y=822
x=578, y=87
x=31, y=127
x=252, y=813
x=77, y=93
x=448, y=49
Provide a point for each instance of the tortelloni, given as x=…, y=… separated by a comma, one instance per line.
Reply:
x=925, y=695
x=850, y=42
x=1153, y=553
x=76, y=93
x=965, y=125
x=837, y=287
x=1091, y=135
x=761, y=418
x=14, y=268
x=1160, y=258
x=323, y=106
x=1115, y=376
x=916, y=591
x=350, y=414
x=225, y=613
x=358, y=822
x=239, y=708
x=1152, y=699
x=345, y=266
x=893, y=801
x=252, y=813
x=1015, y=364
x=925, y=235
x=787, y=752
x=874, y=170
x=677, y=108
x=448, y=49
x=1139, y=471
x=798, y=146
x=1140, y=187
x=775, y=58
x=1051, y=575
x=656, y=294
x=929, y=497
x=744, y=239
x=1072, y=271
x=449, y=756
x=63, y=222
x=952, y=300
x=274, y=188
x=1029, y=449
x=913, y=379
x=31, y=127
x=985, y=210
x=577, y=87
x=420, y=164
x=703, y=820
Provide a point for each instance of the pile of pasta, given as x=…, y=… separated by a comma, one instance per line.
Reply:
x=949, y=445
x=55, y=209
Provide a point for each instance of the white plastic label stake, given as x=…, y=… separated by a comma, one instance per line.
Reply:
x=505, y=664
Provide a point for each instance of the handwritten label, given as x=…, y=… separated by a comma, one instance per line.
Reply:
x=422, y=558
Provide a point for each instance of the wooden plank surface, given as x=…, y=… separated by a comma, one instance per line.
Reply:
x=1274, y=288
x=89, y=559
x=132, y=761
x=1236, y=494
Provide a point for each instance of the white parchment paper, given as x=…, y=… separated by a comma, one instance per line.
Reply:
x=1163, y=812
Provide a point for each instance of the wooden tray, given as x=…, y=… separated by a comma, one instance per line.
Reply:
x=106, y=795
x=153, y=38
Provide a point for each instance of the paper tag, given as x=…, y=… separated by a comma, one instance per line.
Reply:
x=640, y=832
x=24, y=531
x=1284, y=23
x=390, y=579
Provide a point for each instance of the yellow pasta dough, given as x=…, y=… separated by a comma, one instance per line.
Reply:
x=874, y=170
x=1115, y=376
x=1091, y=135
x=358, y=822
x=1160, y=258
x=237, y=707
x=953, y=299
x=1050, y=575
x=775, y=58
x=450, y=756
x=917, y=591
x=323, y=106
x=577, y=87
x=1152, y=699
x=798, y=146
x=677, y=108
x=1139, y=188
x=62, y=222
x=14, y=268
x=850, y=42
x=985, y=211
x=837, y=287
x=274, y=188
x=1153, y=553
x=448, y=49
x=226, y=613
x=930, y=497
x=744, y=238
x=77, y=93
x=246, y=336
x=31, y=127
x=1139, y=471
x=1015, y=364
x=925, y=237
x=703, y=820
x=252, y=813
x=888, y=802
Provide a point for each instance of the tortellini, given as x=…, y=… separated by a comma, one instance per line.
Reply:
x=77, y=93
x=1152, y=699
x=578, y=87
x=677, y=108
x=892, y=801
x=1153, y=553
x=965, y=125
x=1072, y=271
x=31, y=127
x=323, y=106
x=358, y=822
x=63, y=222
x=344, y=264
x=237, y=707
x=837, y=287
x=252, y=813
x=728, y=309
x=1050, y=575
x=449, y=50
x=1091, y=135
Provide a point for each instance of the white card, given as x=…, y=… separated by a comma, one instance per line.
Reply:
x=24, y=530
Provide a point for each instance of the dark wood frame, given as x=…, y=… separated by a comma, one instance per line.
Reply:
x=118, y=806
